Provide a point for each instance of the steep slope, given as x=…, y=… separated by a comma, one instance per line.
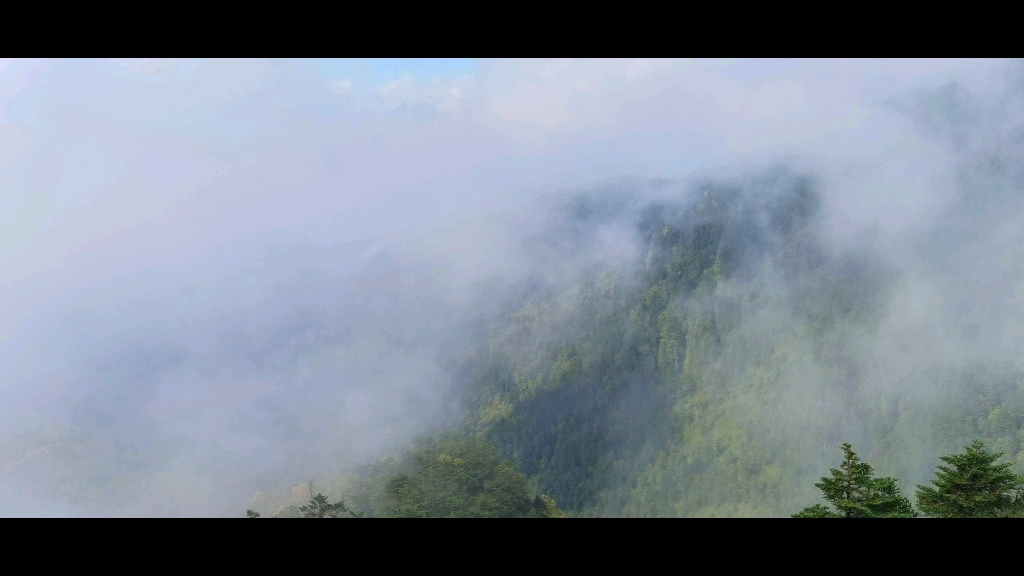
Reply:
x=717, y=373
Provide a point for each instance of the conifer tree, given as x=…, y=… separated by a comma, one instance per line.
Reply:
x=972, y=486
x=319, y=507
x=887, y=502
x=855, y=493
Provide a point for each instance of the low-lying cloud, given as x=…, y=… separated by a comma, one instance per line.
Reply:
x=220, y=277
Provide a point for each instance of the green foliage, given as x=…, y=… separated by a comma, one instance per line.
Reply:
x=456, y=475
x=317, y=507
x=855, y=493
x=972, y=486
x=320, y=507
x=887, y=502
x=817, y=511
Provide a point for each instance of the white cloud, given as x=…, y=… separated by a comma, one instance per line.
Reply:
x=342, y=87
x=445, y=97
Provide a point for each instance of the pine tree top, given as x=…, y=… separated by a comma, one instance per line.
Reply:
x=973, y=485
x=855, y=493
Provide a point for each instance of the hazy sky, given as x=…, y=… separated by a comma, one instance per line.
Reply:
x=124, y=179
x=109, y=167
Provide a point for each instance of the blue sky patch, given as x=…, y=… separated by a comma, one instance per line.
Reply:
x=375, y=71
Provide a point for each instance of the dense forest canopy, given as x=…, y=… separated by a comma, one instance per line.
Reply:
x=447, y=475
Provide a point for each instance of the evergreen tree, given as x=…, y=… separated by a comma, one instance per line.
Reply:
x=817, y=511
x=972, y=486
x=887, y=502
x=320, y=507
x=856, y=494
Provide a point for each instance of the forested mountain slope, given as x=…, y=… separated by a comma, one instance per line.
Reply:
x=717, y=373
